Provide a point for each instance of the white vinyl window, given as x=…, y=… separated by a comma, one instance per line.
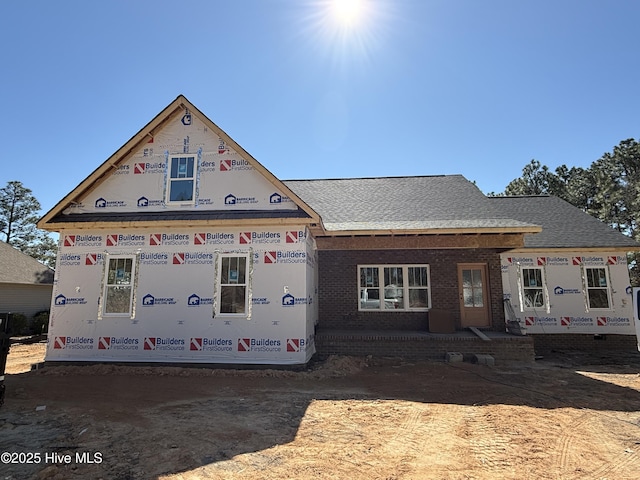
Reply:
x=394, y=287
x=119, y=285
x=533, y=288
x=233, y=287
x=597, y=288
x=181, y=186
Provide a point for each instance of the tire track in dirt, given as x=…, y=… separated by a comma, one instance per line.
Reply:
x=620, y=467
x=566, y=439
x=408, y=445
x=490, y=447
x=624, y=465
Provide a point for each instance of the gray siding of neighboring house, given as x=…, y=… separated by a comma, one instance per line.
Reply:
x=24, y=298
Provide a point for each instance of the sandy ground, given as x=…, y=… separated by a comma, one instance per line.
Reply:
x=569, y=417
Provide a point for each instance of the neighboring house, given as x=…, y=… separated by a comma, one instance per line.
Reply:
x=181, y=247
x=25, y=283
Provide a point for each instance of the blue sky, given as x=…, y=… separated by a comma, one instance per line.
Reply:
x=415, y=87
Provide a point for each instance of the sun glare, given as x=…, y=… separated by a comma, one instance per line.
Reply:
x=346, y=31
x=348, y=12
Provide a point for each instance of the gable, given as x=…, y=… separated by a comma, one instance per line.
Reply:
x=179, y=165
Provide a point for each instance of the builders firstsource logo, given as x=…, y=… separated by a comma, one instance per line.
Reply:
x=295, y=345
x=82, y=241
x=146, y=168
x=276, y=256
x=129, y=240
x=69, y=259
x=73, y=343
x=190, y=258
x=93, y=259
x=230, y=165
x=295, y=236
x=542, y=321
x=161, y=239
x=613, y=321
x=219, y=238
x=203, y=344
x=164, y=343
x=259, y=345
x=259, y=237
x=118, y=343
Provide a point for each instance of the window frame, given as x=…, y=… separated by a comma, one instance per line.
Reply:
x=220, y=286
x=406, y=288
x=587, y=288
x=170, y=179
x=542, y=287
x=132, y=285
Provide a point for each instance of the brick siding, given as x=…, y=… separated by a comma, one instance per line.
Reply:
x=338, y=286
x=545, y=344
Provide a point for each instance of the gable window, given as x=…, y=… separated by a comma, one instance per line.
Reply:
x=597, y=283
x=119, y=285
x=181, y=185
x=394, y=287
x=533, y=288
x=234, y=282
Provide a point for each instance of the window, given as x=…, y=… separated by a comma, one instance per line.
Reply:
x=182, y=179
x=233, y=289
x=394, y=287
x=118, y=290
x=597, y=287
x=533, y=290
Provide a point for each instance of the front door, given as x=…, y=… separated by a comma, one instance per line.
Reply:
x=474, y=297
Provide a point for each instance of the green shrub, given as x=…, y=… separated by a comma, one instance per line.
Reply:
x=40, y=322
x=18, y=324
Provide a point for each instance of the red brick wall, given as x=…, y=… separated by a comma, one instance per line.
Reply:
x=338, y=286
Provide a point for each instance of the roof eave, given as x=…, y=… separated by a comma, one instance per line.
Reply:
x=436, y=231
x=59, y=226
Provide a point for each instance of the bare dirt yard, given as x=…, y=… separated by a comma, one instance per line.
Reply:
x=567, y=417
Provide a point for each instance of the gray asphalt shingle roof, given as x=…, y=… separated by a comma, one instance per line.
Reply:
x=451, y=201
x=563, y=225
x=17, y=267
x=425, y=202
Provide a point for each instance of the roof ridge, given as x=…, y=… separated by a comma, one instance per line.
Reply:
x=372, y=178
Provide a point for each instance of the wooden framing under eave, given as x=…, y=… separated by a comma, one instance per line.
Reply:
x=175, y=108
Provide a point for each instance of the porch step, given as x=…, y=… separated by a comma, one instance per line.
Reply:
x=424, y=345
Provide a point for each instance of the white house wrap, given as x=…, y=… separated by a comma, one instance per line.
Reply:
x=225, y=272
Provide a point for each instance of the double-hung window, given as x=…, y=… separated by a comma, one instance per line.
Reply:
x=597, y=287
x=119, y=285
x=394, y=287
x=533, y=288
x=181, y=184
x=234, y=284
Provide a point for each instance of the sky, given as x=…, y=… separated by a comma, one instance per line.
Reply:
x=406, y=87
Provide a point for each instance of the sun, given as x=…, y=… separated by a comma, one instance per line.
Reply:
x=348, y=12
